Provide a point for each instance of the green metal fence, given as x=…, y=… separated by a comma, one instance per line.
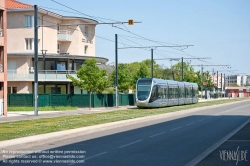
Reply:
x=78, y=100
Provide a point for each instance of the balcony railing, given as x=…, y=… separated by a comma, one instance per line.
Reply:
x=43, y=75
x=64, y=35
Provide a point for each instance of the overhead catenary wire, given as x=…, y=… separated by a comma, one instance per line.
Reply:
x=138, y=36
x=119, y=27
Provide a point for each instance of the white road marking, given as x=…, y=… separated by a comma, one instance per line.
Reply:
x=201, y=120
x=176, y=128
x=190, y=123
x=95, y=155
x=157, y=134
x=238, y=140
x=130, y=144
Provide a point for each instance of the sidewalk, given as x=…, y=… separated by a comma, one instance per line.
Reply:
x=28, y=115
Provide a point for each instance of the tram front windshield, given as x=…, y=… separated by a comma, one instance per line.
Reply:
x=143, y=89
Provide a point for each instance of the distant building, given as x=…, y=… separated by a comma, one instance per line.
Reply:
x=243, y=80
x=236, y=80
x=233, y=80
x=220, y=80
x=248, y=80
x=235, y=92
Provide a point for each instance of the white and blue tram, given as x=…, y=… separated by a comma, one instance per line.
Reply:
x=152, y=92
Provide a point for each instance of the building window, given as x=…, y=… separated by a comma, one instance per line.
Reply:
x=58, y=48
x=85, y=50
x=29, y=43
x=12, y=89
x=29, y=21
x=86, y=31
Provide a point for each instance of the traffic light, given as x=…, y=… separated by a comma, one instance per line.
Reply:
x=130, y=22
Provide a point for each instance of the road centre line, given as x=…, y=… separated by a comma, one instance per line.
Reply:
x=157, y=134
x=176, y=128
x=201, y=120
x=190, y=123
x=95, y=155
x=130, y=144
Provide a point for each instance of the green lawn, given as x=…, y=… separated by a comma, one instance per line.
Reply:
x=11, y=130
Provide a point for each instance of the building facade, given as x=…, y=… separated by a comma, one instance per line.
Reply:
x=3, y=59
x=221, y=81
x=235, y=92
x=239, y=80
x=233, y=80
x=248, y=80
x=64, y=43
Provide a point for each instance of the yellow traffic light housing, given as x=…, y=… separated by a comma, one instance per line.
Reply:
x=130, y=22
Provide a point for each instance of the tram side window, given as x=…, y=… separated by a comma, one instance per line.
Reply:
x=193, y=92
x=182, y=92
x=165, y=92
x=175, y=92
x=160, y=92
x=154, y=94
x=170, y=95
x=186, y=92
x=190, y=92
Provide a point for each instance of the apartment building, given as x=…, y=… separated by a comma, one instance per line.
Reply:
x=3, y=60
x=62, y=49
x=235, y=80
x=248, y=80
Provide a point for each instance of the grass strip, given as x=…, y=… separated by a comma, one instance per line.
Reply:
x=18, y=129
x=47, y=108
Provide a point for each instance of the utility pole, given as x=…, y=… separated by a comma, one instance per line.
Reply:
x=202, y=80
x=221, y=85
x=152, y=63
x=35, y=60
x=182, y=73
x=217, y=84
x=116, y=72
x=224, y=85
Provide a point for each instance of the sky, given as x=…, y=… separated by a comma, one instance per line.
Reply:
x=217, y=29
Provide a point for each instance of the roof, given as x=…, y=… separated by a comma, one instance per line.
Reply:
x=11, y=4
x=14, y=5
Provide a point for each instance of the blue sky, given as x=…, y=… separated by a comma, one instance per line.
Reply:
x=219, y=29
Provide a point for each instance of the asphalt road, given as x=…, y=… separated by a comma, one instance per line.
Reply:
x=172, y=141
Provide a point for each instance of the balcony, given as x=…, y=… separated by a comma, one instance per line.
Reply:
x=43, y=75
x=64, y=35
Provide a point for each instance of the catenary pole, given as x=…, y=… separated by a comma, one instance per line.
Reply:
x=152, y=63
x=116, y=72
x=35, y=60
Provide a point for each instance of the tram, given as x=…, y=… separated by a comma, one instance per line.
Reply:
x=153, y=92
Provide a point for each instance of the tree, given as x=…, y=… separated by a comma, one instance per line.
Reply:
x=143, y=72
x=90, y=78
x=124, y=77
x=235, y=85
x=188, y=72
